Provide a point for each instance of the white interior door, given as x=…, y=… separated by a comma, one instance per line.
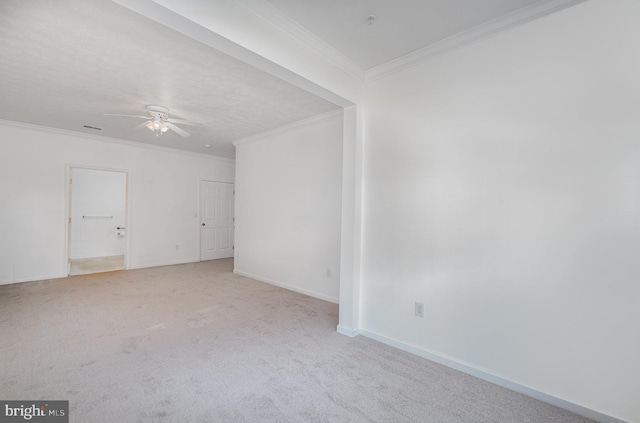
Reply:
x=216, y=215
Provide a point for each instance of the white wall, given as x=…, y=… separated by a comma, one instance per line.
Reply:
x=501, y=189
x=98, y=208
x=163, y=198
x=288, y=205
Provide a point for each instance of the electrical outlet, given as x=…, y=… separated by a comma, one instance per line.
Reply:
x=419, y=308
x=328, y=272
x=177, y=246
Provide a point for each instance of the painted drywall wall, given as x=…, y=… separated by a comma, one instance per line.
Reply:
x=501, y=189
x=163, y=225
x=98, y=201
x=288, y=206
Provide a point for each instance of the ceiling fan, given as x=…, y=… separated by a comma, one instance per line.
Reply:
x=158, y=121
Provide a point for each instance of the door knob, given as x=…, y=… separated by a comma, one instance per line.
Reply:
x=203, y=224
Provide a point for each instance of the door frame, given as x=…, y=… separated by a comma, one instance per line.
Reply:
x=200, y=181
x=67, y=211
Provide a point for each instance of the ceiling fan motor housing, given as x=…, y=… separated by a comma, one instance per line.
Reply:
x=158, y=112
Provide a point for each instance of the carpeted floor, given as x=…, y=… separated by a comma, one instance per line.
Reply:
x=196, y=343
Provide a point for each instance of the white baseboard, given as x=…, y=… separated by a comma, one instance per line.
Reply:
x=159, y=264
x=33, y=279
x=489, y=377
x=287, y=286
x=106, y=255
x=350, y=332
x=130, y=267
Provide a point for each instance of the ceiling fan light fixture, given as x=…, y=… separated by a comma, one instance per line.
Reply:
x=158, y=121
x=157, y=125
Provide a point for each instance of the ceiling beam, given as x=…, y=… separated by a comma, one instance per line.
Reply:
x=233, y=29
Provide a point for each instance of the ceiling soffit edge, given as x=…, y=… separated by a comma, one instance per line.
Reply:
x=157, y=12
x=480, y=32
x=279, y=21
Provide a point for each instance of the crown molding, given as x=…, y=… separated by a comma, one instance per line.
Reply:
x=103, y=138
x=472, y=35
x=286, y=26
x=315, y=119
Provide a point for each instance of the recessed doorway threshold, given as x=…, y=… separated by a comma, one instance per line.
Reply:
x=96, y=265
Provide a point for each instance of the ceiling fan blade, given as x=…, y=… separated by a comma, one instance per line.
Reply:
x=142, y=125
x=133, y=116
x=183, y=122
x=179, y=131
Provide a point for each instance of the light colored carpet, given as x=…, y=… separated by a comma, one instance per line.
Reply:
x=196, y=343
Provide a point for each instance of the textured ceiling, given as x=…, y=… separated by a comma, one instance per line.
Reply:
x=400, y=27
x=65, y=64
x=68, y=63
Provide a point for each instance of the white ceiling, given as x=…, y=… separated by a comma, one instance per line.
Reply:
x=66, y=64
x=400, y=27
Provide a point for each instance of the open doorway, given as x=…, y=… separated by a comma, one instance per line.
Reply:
x=97, y=220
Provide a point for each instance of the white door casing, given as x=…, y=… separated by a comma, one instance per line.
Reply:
x=216, y=220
